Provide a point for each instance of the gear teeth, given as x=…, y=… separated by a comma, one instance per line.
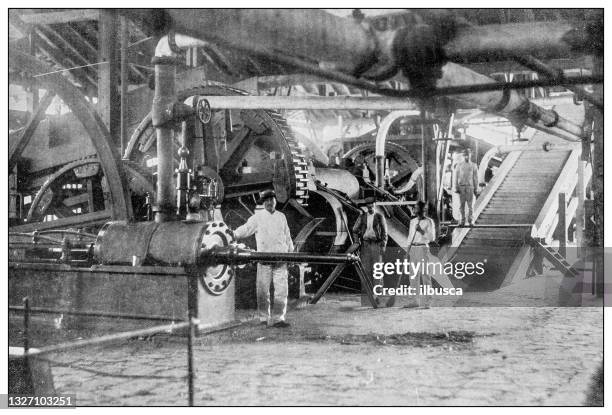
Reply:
x=298, y=166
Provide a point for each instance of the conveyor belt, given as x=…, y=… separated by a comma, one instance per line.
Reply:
x=518, y=199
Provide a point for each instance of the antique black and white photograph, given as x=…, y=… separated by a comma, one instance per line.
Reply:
x=304, y=207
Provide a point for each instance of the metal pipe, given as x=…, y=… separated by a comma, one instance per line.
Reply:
x=310, y=103
x=320, y=36
x=499, y=41
x=163, y=113
x=381, y=136
x=350, y=46
x=507, y=103
x=232, y=255
x=165, y=96
x=340, y=42
x=536, y=65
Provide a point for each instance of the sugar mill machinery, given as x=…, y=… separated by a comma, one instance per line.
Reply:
x=108, y=220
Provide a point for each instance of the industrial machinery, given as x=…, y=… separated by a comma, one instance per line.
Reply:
x=91, y=212
x=94, y=216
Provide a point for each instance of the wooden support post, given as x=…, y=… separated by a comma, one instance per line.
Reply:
x=579, y=236
x=597, y=181
x=192, y=315
x=26, y=326
x=562, y=225
x=108, y=73
x=124, y=82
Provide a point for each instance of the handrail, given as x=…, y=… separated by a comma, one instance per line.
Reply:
x=566, y=183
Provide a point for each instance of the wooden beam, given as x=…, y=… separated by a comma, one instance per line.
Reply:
x=65, y=44
x=61, y=59
x=60, y=17
x=91, y=49
x=108, y=72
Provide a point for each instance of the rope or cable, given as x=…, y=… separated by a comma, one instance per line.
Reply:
x=68, y=69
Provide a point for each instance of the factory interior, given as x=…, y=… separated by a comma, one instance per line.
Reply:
x=141, y=141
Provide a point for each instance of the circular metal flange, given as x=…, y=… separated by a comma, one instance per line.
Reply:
x=204, y=111
x=217, y=278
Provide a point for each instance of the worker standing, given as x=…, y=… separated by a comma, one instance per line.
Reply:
x=422, y=232
x=466, y=184
x=272, y=235
x=371, y=229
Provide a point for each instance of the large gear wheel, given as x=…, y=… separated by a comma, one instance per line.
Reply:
x=257, y=149
x=80, y=186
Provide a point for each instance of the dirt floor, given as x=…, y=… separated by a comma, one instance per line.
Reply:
x=339, y=353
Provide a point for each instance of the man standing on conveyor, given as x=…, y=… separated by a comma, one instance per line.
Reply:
x=466, y=184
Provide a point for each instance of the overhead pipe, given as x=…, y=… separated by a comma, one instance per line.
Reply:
x=381, y=137
x=347, y=46
x=342, y=43
x=309, y=103
x=540, y=67
x=507, y=103
x=353, y=46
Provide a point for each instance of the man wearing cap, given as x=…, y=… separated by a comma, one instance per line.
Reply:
x=466, y=184
x=272, y=235
x=371, y=228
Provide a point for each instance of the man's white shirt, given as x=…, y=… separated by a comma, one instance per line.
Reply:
x=271, y=231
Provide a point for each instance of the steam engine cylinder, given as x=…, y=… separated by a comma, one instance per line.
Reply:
x=165, y=243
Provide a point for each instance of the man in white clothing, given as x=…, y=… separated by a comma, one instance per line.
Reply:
x=422, y=232
x=272, y=235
